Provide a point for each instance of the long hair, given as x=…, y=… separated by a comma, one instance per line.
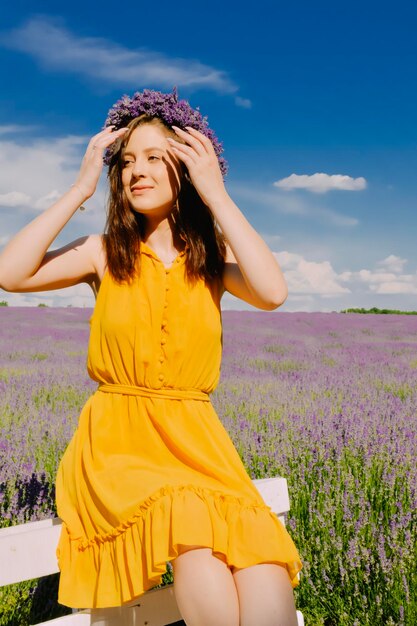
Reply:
x=192, y=222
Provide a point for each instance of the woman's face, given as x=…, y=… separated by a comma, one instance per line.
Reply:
x=151, y=174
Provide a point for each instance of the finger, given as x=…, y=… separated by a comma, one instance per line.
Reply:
x=183, y=157
x=103, y=141
x=107, y=140
x=188, y=150
x=203, y=138
x=104, y=133
x=192, y=141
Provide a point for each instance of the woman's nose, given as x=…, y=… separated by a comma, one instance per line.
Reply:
x=139, y=168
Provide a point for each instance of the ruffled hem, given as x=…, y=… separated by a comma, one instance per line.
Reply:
x=113, y=569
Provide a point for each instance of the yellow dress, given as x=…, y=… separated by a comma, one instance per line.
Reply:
x=150, y=466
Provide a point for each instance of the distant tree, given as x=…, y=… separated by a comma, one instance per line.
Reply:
x=376, y=311
x=42, y=304
x=4, y=303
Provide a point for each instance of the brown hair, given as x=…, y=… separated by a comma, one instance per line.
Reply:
x=192, y=220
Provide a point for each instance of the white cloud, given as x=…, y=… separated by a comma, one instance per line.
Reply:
x=45, y=162
x=14, y=199
x=80, y=296
x=309, y=277
x=243, y=102
x=386, y=279
x=12, y=129
x=374, y=277
x=397, y=286
x=290, y=205
x=56, y=48
x=393, y=263
x=77, y=296
x=321, y=183
x=338, y=219
x=390, y=283
x=317, y=286
x=299, y=302
x=25, y=299
x=309, y=283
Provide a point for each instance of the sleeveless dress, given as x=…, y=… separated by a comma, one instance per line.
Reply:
x=150, y=466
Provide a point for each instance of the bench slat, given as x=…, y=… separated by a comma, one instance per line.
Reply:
x=26, y=554
x=126, y=617
x=157, y=607
x=81, y=618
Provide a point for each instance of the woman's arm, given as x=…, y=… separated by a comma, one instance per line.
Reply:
x=252, y=272
x=25, y=264
x=74, y=263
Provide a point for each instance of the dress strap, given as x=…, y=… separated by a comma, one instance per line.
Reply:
x=163, y=393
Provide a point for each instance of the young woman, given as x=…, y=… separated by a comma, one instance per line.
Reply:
x=150, y=475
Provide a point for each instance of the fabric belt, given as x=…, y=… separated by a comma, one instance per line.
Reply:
x=163, y=393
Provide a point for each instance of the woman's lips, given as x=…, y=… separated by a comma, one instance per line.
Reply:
x=139, y=190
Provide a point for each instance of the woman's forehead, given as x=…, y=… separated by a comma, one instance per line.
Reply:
x=147, y=135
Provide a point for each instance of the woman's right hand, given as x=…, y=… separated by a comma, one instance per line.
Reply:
x=92, y=163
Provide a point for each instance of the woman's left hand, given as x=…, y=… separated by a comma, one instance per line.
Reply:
x=202, y=164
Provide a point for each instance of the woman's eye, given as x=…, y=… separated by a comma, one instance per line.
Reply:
x=127, y=163
x=153, y=157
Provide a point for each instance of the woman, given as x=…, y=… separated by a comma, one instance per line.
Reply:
x=151, y=475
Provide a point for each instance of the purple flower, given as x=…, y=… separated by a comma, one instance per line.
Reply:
x=166, y=106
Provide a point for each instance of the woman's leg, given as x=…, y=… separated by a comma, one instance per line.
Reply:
x=205, y=589
x=265, y=596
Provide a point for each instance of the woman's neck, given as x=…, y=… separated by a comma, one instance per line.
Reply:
x=161, y=237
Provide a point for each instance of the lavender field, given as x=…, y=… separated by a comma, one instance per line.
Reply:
x=327, y=400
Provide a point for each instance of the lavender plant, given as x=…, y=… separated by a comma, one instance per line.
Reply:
x=326, y=400
x=333, y=409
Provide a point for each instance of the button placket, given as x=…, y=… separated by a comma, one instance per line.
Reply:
x=164, y=322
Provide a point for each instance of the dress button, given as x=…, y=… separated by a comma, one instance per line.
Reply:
x=161, y=359
x=165, y=305
x=164, y=323
x=163, y=341
x=161, y=377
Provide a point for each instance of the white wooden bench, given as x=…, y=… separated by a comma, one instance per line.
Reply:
x=28, y=551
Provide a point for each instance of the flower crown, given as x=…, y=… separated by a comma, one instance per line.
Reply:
x=169, y=109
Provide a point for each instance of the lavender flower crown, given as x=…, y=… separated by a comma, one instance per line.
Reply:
x=169, y=109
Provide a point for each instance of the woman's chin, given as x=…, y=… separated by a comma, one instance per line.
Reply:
x=145, y=209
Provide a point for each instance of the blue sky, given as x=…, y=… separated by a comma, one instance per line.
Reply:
x=315, y=104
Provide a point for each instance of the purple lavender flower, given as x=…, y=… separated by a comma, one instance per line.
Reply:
x=166, y=106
